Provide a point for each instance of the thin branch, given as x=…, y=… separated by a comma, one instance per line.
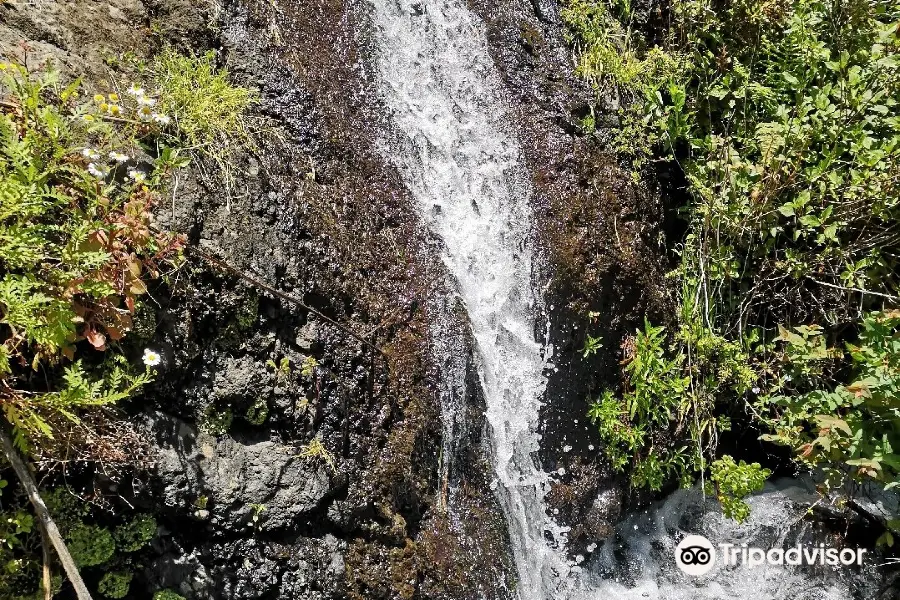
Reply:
x=262, y=285
x=853, y=289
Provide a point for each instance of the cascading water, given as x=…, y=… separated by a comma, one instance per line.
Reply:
x=448, y=138
x=449, y=142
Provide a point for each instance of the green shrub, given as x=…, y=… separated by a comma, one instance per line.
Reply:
x=167, y=595
x=782, y=117
x=852, y=428
x=135, y=534
x=732, y=482
x=76, y=247
x=115, y=584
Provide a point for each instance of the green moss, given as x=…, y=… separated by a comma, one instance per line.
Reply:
x=90, y=545
x=247, y=312
x=135, y=534
x=167, y=595
x=115, y=584
x=258, y=412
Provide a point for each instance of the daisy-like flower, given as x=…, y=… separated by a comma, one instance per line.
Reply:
x=98, y=172
x=136, y=176
x=136, y=91
x=145, y=101
x=151, y=358
x=144, y=114
x=90, y=154
x=113, y=97
x=119, y=157
x=98, y=98
x=114, y=109
x=162, y=119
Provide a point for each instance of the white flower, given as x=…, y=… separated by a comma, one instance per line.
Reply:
x=145, y=101
x=151, y=358
x=144, y=114
x=136, y=176
x=98, y=172
x=756, y=391
x=90, y=154
x=162, y=119
x=119, y=157
x=136, y=91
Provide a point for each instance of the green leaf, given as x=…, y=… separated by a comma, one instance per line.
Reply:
x=786, y=209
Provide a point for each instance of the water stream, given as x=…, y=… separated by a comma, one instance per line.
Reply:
x=451, y=143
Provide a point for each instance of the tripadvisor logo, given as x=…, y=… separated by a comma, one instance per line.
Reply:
x=696, y=555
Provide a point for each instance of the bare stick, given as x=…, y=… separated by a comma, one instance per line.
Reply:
x=43, y=514
x=45, y=549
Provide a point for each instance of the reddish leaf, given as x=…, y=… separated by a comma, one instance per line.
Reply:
x=96, y=339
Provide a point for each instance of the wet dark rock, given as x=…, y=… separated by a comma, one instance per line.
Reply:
x=233, y=476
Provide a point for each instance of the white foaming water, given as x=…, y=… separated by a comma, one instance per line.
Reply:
x=450, y=145
x=637, y=563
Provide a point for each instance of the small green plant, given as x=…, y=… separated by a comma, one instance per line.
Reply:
x=258, y=411
x=592, y=345
x=217, y=420
x=90, y=545
x=115, y=584
x=167, y=595
x=282, y=368
x=256, y=511
x=732, y=482
x=308, y=367
x=316, y=450
x=207, y=107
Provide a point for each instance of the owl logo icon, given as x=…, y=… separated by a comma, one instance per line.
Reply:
x=695, y=555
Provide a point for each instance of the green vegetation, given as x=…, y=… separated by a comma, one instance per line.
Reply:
x=208, y=109
x=316, y=450
x=167, y=595
x=79, y=179
x=97, y=544
x=134, y=535
x=258, y=412
x=783, y=118
x=76, y=250
x=115, y=584
x=217, y=420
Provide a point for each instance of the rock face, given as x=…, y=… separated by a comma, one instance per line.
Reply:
x=250, y=379
x=234, y=477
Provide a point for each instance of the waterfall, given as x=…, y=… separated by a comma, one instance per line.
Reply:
x=450, y=141
x=448, y=135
